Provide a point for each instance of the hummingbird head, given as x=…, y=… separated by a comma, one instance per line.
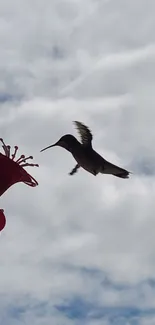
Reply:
x=67, y=142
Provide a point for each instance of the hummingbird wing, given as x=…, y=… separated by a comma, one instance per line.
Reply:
x=85, y=134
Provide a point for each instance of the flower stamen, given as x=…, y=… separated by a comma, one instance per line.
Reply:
x=22, y=160
x=5, y=148
x=15, y=151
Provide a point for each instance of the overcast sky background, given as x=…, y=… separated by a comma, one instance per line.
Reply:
x=79, y=250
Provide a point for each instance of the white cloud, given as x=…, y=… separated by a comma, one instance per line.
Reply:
x=93, y=62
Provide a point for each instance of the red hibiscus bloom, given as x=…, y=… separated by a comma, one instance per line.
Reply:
x=12, y=172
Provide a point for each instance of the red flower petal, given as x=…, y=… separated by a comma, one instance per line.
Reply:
x=2, y=219
x=11, y=171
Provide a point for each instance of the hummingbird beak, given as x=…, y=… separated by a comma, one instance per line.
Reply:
x=52, y=145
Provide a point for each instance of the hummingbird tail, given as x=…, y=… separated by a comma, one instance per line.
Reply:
x=109, y=168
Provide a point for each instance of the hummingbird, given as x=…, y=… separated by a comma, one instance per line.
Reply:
x=84, y=154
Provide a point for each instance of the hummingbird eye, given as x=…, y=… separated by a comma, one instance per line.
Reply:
x=63, y=144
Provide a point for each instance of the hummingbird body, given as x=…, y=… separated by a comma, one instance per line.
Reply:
x=85, y=156
x=88, y=159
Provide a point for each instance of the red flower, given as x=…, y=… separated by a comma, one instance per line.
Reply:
x=2, y=219
x=12, y=172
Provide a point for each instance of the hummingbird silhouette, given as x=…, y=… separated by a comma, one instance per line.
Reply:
x=85, y=156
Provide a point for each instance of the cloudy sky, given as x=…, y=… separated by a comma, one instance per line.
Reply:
x=79, y=250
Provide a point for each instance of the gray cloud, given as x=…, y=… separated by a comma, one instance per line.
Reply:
x=82, y=236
